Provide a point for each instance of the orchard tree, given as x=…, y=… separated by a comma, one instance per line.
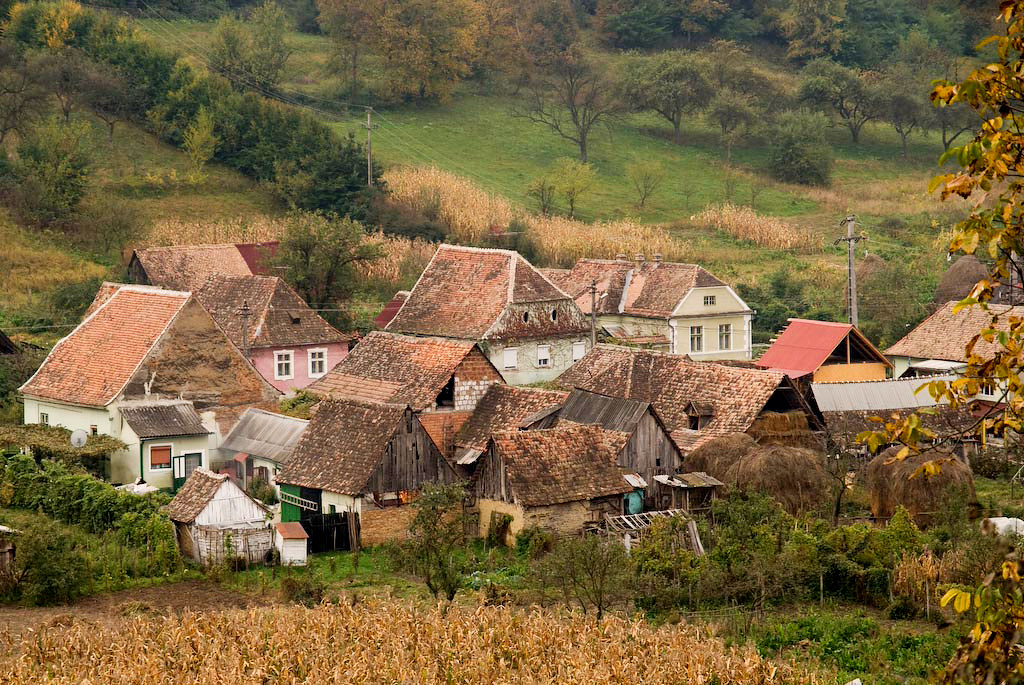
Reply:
x=673, y=84
x=847, y=93
x=110, y=98
x=350, y=25
x=574, y=179
x=904, y=111
x=646, y=176
x=253, y=54
x=23, y=97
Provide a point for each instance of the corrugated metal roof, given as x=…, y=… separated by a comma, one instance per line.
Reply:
x=265, y=435
x=694, y=479
x=876, y=395
x=163, y=420
x=611, y=413
x=806, y=344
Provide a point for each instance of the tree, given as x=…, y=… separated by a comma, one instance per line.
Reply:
x=905, y=112
x=799, y=153
x=350, y=25
x=109, y=97
x=593, y=571
x=428, y=46
x=572, y=99
x=200, y=143
x=252, y=55
x=634, y=23
x=839, y=90
x=318, y=253
x=50, y=567
x=732, y=111
x=437, y=546
x=53, y=168
x=64, y=72
x=646, y=177
x=673, y=84
x=23, y=98
x=574, y=178
x=813, y=27
x=229, y=51
x=544, y=190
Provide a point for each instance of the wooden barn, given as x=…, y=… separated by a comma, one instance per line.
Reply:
x=356, y=467
x=561, y=479
x=215, y=520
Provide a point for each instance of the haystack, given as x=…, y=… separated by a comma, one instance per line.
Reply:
x=891, y=486
x=795, y=477
x=716, y=456
x=960, y=279
x=785, y=428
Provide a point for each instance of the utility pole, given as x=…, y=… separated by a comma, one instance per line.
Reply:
x=369, y=148
x=593, y=314
x=851, y=276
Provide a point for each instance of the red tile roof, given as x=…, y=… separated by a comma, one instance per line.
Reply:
x=469, y=293
x=186, y=267
x=93, y=364
x=278, y=316
x=945, y=334
x=504, y=407
x=565, y=464
x=671, y=383
x=646, y=289
x=390, y=309
x=402, y=369
x=805, y=345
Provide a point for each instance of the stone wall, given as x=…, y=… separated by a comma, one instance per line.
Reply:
x=377, y=526
x=472, y=378
x=488, y=507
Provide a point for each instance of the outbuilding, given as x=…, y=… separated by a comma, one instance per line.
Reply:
x=290, y=539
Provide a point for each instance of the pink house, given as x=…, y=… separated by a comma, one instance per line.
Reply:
x=288, y=343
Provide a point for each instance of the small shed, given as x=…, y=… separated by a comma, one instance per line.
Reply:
x=692, y=492
x=290, y=539
x=217, y=521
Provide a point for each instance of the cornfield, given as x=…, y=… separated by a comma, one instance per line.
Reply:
x=385, y=642
x=473, y=215
x=253, y=229
x=402, y=257
x=746, y=224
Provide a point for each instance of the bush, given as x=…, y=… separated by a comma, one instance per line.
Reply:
x=594, y=572
x=52, y=170
x=306, y=588
x=799, y=152
x=49, y=567
x=263, y=491
x=533, y=542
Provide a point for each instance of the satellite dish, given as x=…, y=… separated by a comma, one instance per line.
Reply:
x=79, y=438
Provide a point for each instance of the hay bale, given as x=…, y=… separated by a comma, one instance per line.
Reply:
x=960, y=279
x=795, y=477
x=891, y=486
x=785, y=428
x=716, y=456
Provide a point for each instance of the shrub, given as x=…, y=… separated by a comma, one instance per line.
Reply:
x=263, y=491
x=594, y=572
x=533, y=542
x=50, y=567
x=799, y=152
x=306, y=588
x=52, y=169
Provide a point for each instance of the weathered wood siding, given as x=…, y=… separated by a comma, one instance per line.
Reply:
x=650, y=451
x=491, y=478
x=410, y=460
x=207, y=546
x=230, y=505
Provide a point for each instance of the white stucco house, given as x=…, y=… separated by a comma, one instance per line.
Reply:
x=666, y=306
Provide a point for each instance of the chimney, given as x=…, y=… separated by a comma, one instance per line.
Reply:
x=638, y=258
x=657, y=257
x=621, y=257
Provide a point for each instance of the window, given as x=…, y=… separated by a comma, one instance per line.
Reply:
x=696, y=338
x=283, y=366
x=709, y=300
x=510, y=358
x=160, y=457
x=725, y=336
x=554, y=315
x=579, y=351
x=44, y=418
x=93, y=430
x=526, y=317
x=543, y=355
x=317, y=362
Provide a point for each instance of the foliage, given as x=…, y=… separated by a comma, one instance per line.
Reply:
x=300, y=405
x=593, y=571
x=813, y=28
x=646, y=177
x=199, y=142
x=672, y=84
x=532, y=542
x=574, y=180
x=253, y=54
x=23, y=97
x=330, y=179
x=53, y=170
x=779, y=297
x=850, y=94
x=799, y=153
x=436, y=548
x=54, y=442
x=49, y=568
x=307, y=589
x=263, y=491
x=544, y=189
x=349, y=23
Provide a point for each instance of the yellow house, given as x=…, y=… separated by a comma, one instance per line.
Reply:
x=666, y=306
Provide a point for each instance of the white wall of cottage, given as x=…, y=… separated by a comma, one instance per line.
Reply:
x=527, y=369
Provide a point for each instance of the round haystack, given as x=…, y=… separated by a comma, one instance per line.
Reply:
x=892, y=484
x=960, y=279
x=794, y=476
x=716, y=456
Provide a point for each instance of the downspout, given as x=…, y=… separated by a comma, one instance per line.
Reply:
x=141, y=461
x=672, y=323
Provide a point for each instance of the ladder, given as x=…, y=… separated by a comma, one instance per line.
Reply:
x=297, y=501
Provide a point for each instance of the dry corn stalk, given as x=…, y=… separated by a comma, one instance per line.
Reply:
x=746, y=224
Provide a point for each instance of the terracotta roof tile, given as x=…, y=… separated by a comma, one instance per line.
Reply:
x=945, y=334
x=466, y=292
x=278, y=316
x=391, y=308
x=186, y=267
x=92, y=365
x=648, y=289
x=504, y=407
x=670, y=383
x=565, y=464
x=292, y=530
x=342, y=446
x=401, y=369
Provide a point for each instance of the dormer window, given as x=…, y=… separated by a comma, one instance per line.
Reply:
x=699, y=414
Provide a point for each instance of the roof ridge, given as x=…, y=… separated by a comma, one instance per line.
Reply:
x=470, y=248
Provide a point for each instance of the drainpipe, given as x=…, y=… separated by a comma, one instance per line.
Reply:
x=672, y=324
x=142, y=473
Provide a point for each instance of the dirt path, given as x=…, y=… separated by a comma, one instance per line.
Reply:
x=193, y=595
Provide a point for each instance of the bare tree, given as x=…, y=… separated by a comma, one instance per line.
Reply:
x=571, y=98
x=22, y=97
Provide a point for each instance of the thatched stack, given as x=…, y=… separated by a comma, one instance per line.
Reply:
x=794, y=476
x=892, y=484
x=960, y=279
x=785, y=428
x=716, y=456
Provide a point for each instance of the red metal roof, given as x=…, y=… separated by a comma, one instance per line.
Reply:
x=806, y=344
x=258, y=255
x=391, y=308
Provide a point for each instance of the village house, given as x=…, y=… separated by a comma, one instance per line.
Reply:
x=150, y=367
x=939, y=343
x=825, y=352
x=529, y=328
x=354, y=471
x=562, y=479
x=503, y=407
x=699, y=401
x=187, y=267
x=259, y=445
x=666, y=306
x=217, y=521
x=288, y=343
x=441, y=379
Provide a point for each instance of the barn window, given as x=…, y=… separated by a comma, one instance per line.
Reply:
x=160, y=457
x=554, y=315
x=526, y=317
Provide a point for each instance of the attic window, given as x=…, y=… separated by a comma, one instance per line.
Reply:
x=447, y=396
x=709, y=300
x=700, y=414
x=554, y=315
x=296, y=319
x=526, y=317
